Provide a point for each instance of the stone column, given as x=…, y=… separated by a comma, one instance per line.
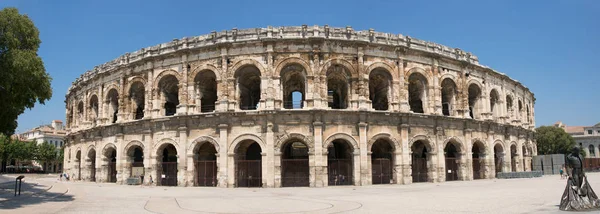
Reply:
x=469, y=154
x=269, y=164
x=365, y=167
x=319, y=157
x=223, y=158
x=403, y=87
x=150, y=174
x=406, y=160
x=596, y=152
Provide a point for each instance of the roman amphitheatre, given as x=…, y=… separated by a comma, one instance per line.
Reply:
x=309, y=106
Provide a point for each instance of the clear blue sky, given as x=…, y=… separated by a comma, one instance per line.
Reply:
x=550, y=46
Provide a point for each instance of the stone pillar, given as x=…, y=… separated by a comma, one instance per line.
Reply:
x=596, y=152
x=150, y=174
x=319, y=157
x=223, y=158
x=403, y=88
x=269, y=164
x=469, y=170
x=406, y=160
x=365, y=167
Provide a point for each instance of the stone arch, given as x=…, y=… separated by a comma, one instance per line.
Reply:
x=245, y=62
x=285, y=138
x=341, y=136
x=476, y=82
x=426, y=141
x=200, y=141
x=200, y=68
x=419, y=70
x=448, y=76
x=107, y=147
x=484, y=147
x=164, y=73
x=236, y=142
x=133, y=80
x=337, y=61
x=78, y=151
x=163, y=143
x=499, y=142
x=89, y=148
x=396, y=145
x=292, y=60
x=132, y=144
x=391, y=69
x=456, y=141
x=110, y=87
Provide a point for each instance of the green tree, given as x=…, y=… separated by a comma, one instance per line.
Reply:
x=45, y=153
x=553, y=140
x=23, y=78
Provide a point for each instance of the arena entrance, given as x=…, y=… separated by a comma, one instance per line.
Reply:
x=168, y=166
x=452, y=157
x=382, y=161
x=92, y=159
x=339, y=163
x=294, y=165
x=513, y=158
x=136, y=155
x=78, y=157
x=248, y=164
x=498, y=157
x=206, y=165
x=419, y=162
x=111, y=155
x=478, y=159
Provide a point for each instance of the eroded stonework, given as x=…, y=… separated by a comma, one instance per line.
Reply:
x=297, y=106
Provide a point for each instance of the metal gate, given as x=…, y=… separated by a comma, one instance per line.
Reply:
x=295, y=173
x=339, y=172
x=451, y=169
x=513, y=164
x=93, y=171
x=498, y=165
x=419, y=170
x=381, y=169
x=477, y=169
x=248, y=173
x=206, y=173
x=169, y=174
x=112, y=172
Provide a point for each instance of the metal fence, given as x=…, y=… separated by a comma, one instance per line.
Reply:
x=294, y=172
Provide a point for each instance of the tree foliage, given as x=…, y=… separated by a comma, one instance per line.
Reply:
x=553, y=140
x=23, y=78
x=46, y=152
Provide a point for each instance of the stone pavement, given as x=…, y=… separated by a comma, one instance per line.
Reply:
x=536, y=195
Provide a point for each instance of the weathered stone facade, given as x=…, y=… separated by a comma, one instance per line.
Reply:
x=347, y=98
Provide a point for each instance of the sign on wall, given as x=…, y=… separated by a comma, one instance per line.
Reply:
x=137, y=171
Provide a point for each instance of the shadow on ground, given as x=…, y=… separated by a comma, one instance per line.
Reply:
x=31, y=193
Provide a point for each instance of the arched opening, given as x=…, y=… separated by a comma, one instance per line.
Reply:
x=494, y=97
x=513, y=158
x=339, y=163
x=206, y=164
x=248, y=164
x=449, y=93
x=382, y=162
x=474, y=96
x=78, y=159
x=417, y=92
x=420, y=154
x=380, y=82
x=111, y=156
x=137, y=99
x=592, y=151
x=478, y=151
x=169, y=94
x=92, y=164
x=294, y=164
x=136, y=158
x=452, y=157
x=80, y=112
x=528, y=115
x=338, y=84
x=520, y=111
x=509, y=106
x=70, y=117
x=498, y=157
x=205, y=84
x=248, y=87
x=168, y=165
x=93, y=107
x=293, y=81
x=112, y=99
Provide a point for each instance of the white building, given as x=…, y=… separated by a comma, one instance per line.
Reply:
x=588, y=137
x=54, y=134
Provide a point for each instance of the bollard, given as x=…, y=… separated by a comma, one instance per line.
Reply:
x=18, y=180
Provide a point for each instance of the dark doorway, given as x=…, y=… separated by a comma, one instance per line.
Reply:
x=339, y=163
x=513, y=158
x=112, y=165
x=169, y=166
x=498, y=158
x=248, y=82
x=451, y=156
x=92, y=157
x=294, y=165
x=382, y=162
x=248, y=164
x=137, y=166
x=206, y=165
x=478, y=158
x=419, y=162
x=78, y=157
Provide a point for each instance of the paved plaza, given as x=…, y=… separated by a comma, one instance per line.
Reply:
x=45, y=194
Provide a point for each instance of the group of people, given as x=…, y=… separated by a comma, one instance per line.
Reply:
x=65, y=175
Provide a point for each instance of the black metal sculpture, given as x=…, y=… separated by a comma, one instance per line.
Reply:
x=578, y=194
